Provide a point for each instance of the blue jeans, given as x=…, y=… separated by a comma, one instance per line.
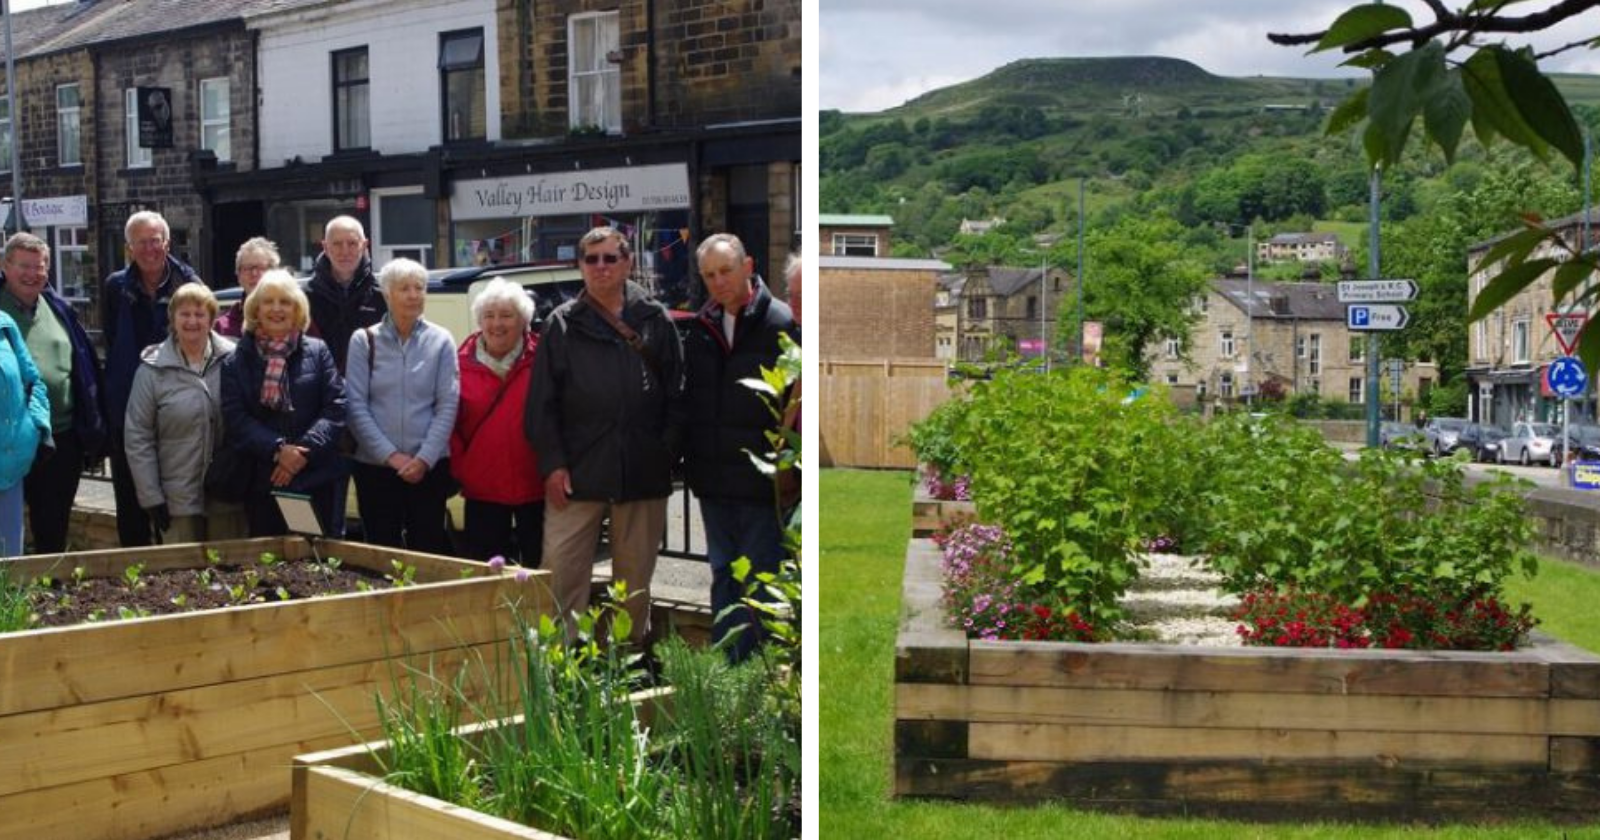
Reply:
x=735, y=530
x=11, y=522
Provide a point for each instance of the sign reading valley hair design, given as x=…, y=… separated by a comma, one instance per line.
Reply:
x=631, y=189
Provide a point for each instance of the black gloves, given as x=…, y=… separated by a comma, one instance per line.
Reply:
x=160, y=517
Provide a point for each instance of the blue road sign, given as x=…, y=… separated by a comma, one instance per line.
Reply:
x=1567, y=378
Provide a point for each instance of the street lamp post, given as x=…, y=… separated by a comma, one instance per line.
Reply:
x=1250, y=309
x=1044, y=340
x=11, y=102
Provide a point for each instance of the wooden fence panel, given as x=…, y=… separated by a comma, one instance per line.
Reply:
x=868, y=403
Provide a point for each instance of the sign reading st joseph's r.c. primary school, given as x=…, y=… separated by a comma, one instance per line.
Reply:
x=629, y=189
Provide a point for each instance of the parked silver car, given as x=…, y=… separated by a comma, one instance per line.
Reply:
x=1530, y=442
x=1444, y=433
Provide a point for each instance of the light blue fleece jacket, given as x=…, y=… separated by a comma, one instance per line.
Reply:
x=406, y=400
x=24, y=410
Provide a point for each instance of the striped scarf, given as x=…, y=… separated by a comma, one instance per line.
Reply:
x=276, y=352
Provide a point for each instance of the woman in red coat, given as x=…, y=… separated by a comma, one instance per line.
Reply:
x=489, y=453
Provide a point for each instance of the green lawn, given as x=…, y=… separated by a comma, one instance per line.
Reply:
x=865, y=520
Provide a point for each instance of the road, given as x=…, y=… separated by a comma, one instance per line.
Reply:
x=1540, y=475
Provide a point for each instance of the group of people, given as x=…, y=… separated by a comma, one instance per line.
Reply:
x=206, y=416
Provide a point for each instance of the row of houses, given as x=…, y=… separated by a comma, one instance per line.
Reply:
x=462, y=132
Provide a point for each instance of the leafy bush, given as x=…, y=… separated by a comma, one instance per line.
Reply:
x=1287, y=509
x=1077, y=468
x=933, y=440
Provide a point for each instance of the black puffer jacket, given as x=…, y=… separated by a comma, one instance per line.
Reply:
x=728, y=420
x=596, y=408
x=336, y=313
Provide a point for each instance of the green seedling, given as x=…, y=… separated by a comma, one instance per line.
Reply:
x=131, y=575
x=403, y=575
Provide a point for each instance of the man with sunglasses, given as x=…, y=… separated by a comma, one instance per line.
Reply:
x=604, y=414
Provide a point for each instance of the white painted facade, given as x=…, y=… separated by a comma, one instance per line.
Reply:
x=402, y=41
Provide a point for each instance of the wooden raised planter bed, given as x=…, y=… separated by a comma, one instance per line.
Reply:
x=339, y=794
x=140, y=728
x=1250, y=732
x=929, y=514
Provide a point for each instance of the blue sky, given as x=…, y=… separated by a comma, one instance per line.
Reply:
x=876, y=54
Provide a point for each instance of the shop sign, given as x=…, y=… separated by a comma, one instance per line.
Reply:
x=64, y=211
x=602, y=191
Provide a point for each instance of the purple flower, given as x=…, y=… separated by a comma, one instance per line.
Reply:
x=497, y=564
x=523, y=573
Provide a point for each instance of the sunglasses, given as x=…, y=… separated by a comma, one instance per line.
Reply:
x=596, y=259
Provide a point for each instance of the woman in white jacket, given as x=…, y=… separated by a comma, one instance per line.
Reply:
x=174, y=423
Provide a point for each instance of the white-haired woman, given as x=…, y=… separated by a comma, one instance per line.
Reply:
x=283, y=406
x=404, y=391
x=490, y=454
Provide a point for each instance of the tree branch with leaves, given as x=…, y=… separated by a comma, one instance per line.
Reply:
x=1451, y=73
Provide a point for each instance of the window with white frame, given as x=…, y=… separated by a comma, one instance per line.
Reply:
x=1300, y=347
x=1225, y=385
x=352, y=92
x=215, y=111
x=5, y=134
x=73, y=280
x=1314, y=355
x=1226, y=349
x=69, y=131
x=1174, y=348
x=403, y=226
x=461, y=85
x=855, y=245
x=594, y=87
x=1358, y=394
x=1172, y=379
x=138, y=156
x=1519, y=340
x=1480, y=343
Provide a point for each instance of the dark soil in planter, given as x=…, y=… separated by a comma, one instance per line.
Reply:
x=67, y=601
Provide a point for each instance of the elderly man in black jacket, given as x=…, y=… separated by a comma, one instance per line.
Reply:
x=603, y=414
x=735, y=335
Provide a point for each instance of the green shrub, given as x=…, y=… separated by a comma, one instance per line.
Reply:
x=1077, y=467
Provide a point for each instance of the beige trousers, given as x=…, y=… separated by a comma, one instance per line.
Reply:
x=571, y=537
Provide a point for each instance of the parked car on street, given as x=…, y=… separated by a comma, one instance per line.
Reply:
x=1585, y=441
x=1393, y=435
x=1532, y=442
x=1483, y=441
x=1443, y=433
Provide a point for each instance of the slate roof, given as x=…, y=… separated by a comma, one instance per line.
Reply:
x=68, y=26
x=1301, y=301
x=1008, y=281
x=1295, y=238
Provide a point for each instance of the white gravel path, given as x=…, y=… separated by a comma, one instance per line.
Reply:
x=1176, y=600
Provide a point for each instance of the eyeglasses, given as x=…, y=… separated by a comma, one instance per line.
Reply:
x=149, y=242
x=244, y=268
x=596, y=259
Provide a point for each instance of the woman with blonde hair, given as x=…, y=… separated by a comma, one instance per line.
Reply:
x=174, y=423
x=283, y=406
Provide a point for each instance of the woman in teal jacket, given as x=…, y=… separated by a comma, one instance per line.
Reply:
x=24, y=430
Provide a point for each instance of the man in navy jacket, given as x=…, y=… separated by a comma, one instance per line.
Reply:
x=736, y=334
x=133, y=315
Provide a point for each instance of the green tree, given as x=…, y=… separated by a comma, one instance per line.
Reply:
x=1460, y=70
x=1142, y=277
